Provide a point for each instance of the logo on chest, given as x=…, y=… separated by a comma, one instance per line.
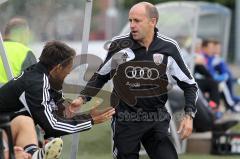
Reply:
x=157, y=58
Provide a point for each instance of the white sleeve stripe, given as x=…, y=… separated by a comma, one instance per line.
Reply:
x=53, y=122
x=64, y=128
x=196, y=96
x=176, y=71
x=171, y=41
x=50, y=110
x=175, y=43
x=46, y=87
x=106, y=68
x=55, y=125
x=63, y=124
x=22, y=98
x=168, y=38
x=72, y=131
x=120, y=37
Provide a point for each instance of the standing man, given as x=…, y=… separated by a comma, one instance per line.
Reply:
x=16, y=37
x=145, y=58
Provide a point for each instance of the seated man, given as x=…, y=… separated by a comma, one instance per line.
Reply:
x=222, y=68
x=37, y=93
x=210, y=49
x=206, y=83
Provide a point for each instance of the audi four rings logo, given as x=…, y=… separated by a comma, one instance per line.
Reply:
x=145, y=73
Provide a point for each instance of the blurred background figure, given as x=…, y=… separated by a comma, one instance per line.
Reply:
x=204, y=78
x=222, y=68
x=219, y=72
x=20, y=56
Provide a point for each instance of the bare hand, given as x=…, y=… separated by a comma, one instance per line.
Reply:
x=102, y=116
x=186, y=127
x=76, y=104
x=72, y=107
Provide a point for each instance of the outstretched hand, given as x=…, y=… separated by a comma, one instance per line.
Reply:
x=101, y=116
x=97, y=115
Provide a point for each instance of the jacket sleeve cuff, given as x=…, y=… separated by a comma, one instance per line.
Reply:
x=190, y=109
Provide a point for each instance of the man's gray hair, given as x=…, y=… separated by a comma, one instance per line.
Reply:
x=151, y=10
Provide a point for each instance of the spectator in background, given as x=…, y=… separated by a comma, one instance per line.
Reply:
x=204, y=79
x=222, y=68
x=16, y=37
x=209, y=50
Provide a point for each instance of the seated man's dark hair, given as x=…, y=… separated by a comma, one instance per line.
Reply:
x=56, y=52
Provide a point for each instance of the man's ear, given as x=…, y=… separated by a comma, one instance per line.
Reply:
x=154, y=21
x=59, y=66
x=55, y=68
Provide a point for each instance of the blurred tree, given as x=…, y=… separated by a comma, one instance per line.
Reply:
x=127, y=3
x=41, y=14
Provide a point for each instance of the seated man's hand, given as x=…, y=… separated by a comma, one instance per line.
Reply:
x=19, y=153
x=72, y=107
x=186, y=127
x=102, y=116
x=76, y=104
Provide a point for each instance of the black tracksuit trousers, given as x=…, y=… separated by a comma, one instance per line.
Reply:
x=153, y=135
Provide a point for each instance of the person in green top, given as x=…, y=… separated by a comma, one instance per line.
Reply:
x=16, y=37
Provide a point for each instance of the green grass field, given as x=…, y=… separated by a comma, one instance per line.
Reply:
x=96, y=144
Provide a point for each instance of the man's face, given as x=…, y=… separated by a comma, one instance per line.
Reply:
x=58, y=74
x=210, y=49
x=64, y=71
x=141, y=25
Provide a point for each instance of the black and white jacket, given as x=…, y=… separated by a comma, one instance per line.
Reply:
x=40, y=101
x=140, y=75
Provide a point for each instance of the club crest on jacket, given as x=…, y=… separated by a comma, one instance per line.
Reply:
x=157, y=58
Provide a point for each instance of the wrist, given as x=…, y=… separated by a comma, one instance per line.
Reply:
x=83, y=99
x=190, y=115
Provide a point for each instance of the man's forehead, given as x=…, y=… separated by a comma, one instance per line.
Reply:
x=138, y=8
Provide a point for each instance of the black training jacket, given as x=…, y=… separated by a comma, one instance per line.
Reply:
x=32, y=91
x=140, y=76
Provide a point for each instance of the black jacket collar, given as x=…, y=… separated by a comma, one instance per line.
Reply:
x=136, y=45
x=40, y=67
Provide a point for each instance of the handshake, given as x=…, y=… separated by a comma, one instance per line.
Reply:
x=68, y=108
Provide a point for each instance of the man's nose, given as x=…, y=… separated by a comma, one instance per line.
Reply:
x=132, y=25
